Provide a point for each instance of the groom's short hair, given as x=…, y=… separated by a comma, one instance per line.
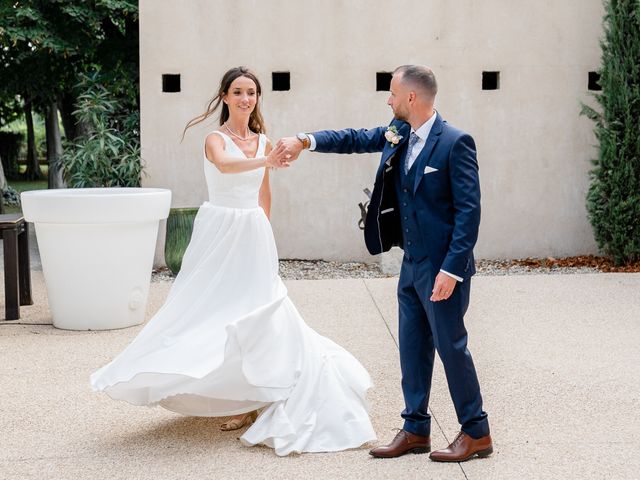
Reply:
x=420, y=77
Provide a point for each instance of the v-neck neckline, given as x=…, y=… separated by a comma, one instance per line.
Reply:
x=241, y=151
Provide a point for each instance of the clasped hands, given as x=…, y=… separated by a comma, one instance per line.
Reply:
x=286, y=151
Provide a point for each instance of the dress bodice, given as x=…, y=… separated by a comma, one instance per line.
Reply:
x=237, y=190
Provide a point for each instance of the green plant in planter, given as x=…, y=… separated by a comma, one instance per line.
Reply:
x=108, y=154
x=179, y=228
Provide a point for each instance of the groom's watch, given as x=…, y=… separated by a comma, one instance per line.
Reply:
x=304, y=138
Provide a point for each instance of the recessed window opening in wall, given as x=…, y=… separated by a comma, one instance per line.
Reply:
x=594, y=82
x=383, y=81
x=171, y=82
x=281, y=81
x=490, y=80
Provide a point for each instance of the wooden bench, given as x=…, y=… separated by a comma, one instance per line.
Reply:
x=17, y=270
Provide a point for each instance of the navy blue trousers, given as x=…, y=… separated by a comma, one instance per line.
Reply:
x=424, y=328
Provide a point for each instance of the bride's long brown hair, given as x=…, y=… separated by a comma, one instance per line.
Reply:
x=256, y=122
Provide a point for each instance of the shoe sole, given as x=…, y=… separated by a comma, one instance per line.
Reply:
x=481, y=454
x=416, y=451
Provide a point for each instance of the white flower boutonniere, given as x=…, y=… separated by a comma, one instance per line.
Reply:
x=392, y=135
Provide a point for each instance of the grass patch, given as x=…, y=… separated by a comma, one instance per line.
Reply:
x=24, y=185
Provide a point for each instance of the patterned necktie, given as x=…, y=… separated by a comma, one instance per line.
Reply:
x=413, y=139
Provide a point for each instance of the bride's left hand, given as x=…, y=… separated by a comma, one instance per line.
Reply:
x=278, y=157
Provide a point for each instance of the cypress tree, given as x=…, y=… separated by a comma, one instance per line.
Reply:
x=613, y=200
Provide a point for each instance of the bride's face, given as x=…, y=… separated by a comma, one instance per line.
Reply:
x=241, y=97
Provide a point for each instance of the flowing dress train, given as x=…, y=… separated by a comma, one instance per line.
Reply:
x=229, y=340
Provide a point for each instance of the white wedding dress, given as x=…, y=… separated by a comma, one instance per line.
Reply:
x=228, y=339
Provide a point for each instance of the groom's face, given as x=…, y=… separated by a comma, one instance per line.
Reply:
x=399, y=98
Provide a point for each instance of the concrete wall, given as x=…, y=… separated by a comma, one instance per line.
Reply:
x=534, y=149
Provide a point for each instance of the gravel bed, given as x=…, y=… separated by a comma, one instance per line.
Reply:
x=307, y=270
x=321, y=270
x=507, y=267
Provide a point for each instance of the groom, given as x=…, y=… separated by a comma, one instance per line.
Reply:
x=426, y=199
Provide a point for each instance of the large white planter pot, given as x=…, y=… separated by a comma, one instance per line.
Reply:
x=97, y=247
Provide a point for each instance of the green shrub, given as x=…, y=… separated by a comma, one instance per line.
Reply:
x=10, y=196
x=613, y=201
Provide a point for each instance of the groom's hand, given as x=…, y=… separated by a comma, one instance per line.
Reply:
x=292, y=146
x=443, y=287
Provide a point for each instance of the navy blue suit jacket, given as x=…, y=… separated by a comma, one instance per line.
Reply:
x=447, y=200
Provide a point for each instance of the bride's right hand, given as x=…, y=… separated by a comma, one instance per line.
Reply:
x=278, y=157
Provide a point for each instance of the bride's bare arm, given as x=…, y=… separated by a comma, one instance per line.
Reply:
x=216, y=154
x=264, y=196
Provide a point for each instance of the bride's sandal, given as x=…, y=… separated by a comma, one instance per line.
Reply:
x=237, y=423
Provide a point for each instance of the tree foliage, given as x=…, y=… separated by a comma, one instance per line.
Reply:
x=47, y=45
x=613, y=200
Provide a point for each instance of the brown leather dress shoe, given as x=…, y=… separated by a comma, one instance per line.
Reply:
x=463, y=448
x=404, y=442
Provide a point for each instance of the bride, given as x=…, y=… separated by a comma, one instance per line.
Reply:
x=228, y=340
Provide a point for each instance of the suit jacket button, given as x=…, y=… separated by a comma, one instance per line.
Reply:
x=409, y=242
x=406, y=218
x=405, y=190
x=404, y=204
x=406, y=230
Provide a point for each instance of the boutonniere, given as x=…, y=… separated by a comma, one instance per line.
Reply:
x=392, y=135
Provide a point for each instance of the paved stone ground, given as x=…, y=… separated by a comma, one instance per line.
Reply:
x=557, y=357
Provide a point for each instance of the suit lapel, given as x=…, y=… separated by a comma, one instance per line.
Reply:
x=424, y=155
x=390, y=152
x=388, y=155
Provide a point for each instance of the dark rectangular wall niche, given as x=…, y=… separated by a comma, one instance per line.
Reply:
x=490, y=80
x=171, y=82
x=594, y=82
x=383, y=81
x=281, y=81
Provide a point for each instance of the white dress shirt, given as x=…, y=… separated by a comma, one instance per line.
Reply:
x=423, y=133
